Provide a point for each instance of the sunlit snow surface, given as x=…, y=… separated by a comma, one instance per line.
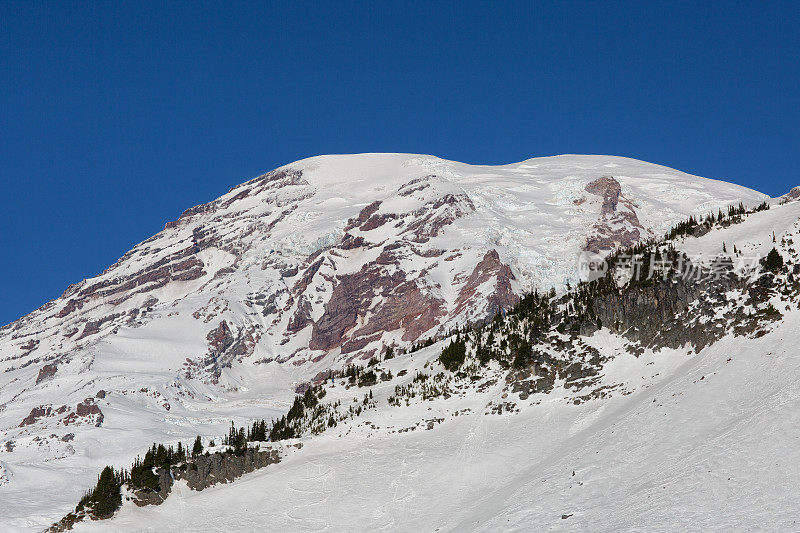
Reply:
x=473, y=471
x=706, y=442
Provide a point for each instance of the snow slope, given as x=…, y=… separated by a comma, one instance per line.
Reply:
x=318, y=263
x=705, y=443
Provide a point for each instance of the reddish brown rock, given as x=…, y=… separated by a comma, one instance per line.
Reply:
x=402, y=304
x=308, y=275
x=431, y=218
x=70, y=306
x=490, y=269
x=619, y=225
x=221, y=338
x=35, y=414
x=93, y=326
x=301, y=317
x=376, y=221
x=363, y=215
x=88, y=410
x=46, y=372
x=609, y=189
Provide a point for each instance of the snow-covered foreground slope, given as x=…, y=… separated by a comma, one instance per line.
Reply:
x=706, y=442
x=316, y=264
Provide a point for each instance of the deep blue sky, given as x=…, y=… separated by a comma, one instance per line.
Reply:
x=115, y=117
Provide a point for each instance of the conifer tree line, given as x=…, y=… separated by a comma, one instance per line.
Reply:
x=511, y=336
x=106, y=497
x=733, y=215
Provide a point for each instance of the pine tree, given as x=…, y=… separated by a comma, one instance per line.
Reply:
x=773, y=262
x=106, y=497
x=454, y=354
x=197, y=449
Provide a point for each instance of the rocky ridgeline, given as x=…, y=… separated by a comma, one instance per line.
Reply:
x=199, y=472
x=208, y=470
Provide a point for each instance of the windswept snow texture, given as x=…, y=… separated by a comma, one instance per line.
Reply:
x=319, y=263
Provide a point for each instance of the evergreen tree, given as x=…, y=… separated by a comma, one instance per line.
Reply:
x=773, y=262
x=142, y=476
x=197, y=449
x=106, y=497
x=389, y=353
x=454, y=354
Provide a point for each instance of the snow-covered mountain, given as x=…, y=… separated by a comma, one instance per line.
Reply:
x=327, y=261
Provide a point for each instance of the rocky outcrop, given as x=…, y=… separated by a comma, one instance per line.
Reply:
x=35, y=414
x=207, y=470
x=402, y=304
x=46, y=372
x=501, y=296
x=199, y=472
x=220, y=339
x=155, y=497
x=224, y=347
x=610, y=190
x=618, y=226
x=671, y=312
x=791, y=196
x=363, y=215
x=87, y=412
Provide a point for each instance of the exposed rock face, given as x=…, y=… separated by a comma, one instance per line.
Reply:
x=46, y=372
x=619, y=224
x=490, y=270
x=205, y=471
x=224, y=347
x=403, y=305
x=149, y=497
x=220, y=338
x=382, y=297
x=85, y=412
x=610, y=190
x=35, y=414
x=791, y=196
x=674, y=312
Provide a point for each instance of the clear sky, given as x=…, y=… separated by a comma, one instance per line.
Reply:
x=116, y=116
